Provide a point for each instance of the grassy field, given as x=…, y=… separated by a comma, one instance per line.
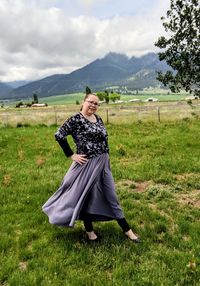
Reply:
x=157, y=172
x=160, y=94
x=131, y=112
x=72, y=98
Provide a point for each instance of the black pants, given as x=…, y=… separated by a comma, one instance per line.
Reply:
x=122, y=223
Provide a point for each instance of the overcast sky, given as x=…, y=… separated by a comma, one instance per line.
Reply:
x=44, y=37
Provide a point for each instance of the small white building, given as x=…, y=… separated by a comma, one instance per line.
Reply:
x=151, y=99
x=39, y=105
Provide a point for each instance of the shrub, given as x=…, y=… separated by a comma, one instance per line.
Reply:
x=19, y=104
x=189, y=102
x=19, y=124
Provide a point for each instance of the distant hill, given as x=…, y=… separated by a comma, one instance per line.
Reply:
x=5, y=89
x=114, y=69
x=17, y=83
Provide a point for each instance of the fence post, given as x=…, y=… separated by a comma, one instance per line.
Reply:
x=158, y=114
x=55, y=113
x=107, y=116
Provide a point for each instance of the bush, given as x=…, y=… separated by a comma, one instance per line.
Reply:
x=189, y=102
x=19, y=125
x=19, y=104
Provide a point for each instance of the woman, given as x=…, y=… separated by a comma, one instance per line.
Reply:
x=87, y=191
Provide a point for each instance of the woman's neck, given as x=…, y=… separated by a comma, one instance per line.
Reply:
x=86, y=114
x=90, y=117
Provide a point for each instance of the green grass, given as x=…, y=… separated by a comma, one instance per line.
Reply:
x=157, y=172
x=160, y=97
x=72, y=98
x=63, y=99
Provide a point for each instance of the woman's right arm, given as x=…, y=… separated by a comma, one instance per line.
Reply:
x=61, y=138
x=61, y=135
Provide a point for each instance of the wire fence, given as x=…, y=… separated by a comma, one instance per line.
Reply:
x=114, y=114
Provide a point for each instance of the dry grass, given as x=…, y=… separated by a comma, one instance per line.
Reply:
x=7, y=180
x=186, y=176
x=126, y=113
x=132, y=186
x=190, y=199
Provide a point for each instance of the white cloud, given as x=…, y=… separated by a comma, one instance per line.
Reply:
x=37, y=40
x=87, y=2
x=90, y=3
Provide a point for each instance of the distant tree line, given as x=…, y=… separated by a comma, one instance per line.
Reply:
x=29, y=104
x=106, y=96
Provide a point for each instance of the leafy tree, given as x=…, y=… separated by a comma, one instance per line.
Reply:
x=181, y=46
x=88, y=90
x=114, y=96
x=103, y=95
x=107, y=99
x=19, y=104
x=35, y=98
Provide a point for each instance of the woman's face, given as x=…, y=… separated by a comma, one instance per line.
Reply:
x=90, y=104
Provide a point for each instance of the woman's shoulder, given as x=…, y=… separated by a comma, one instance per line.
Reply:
x=73, y=118
x=98, y=117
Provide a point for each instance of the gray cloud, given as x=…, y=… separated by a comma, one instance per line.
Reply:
x=40, y=40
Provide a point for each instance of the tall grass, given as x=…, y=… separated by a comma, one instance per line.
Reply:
x=114, y=113
x=156, y=168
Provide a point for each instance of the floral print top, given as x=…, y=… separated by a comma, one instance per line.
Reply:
x=90, y=138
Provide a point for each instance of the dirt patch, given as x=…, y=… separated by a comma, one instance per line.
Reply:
x=191, y=199
x=185, y=176
x=23, y=265
x=142, y=186
x=134, y=186
x=6, y=180
x=40, y=161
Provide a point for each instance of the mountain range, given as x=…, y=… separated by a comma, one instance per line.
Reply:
x=112, y=70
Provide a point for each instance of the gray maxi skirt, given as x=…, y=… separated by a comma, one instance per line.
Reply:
x=86, y=192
